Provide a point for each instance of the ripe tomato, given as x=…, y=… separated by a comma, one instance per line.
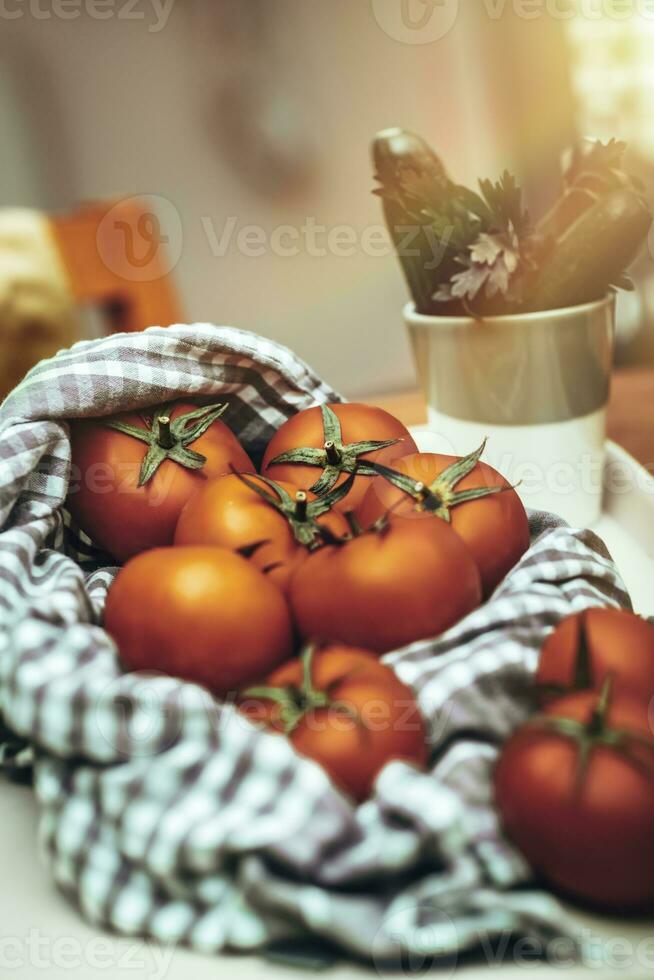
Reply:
x=203, y=614
x=386, y=588
x=588, y=646
x=318, y=447
x=480, y=504
x=274, y=524
x=344, y=709
x=575, y=790
x=134, y=473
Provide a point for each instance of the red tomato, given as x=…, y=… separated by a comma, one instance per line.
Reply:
x=584, y=821
x=588, y=646
x=123, y=516
x=203, y=614
x=329, y=441
x=494, y=527
x=353, y=717
x=276, y=531
x=387, y=588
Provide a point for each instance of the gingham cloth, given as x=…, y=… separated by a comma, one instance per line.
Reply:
x=164, y=812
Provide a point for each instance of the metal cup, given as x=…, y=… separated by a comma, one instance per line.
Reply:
x=536, y=384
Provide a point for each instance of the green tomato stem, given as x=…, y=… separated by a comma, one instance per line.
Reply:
x=332, y=453
x=165, y=439
x=301, y=505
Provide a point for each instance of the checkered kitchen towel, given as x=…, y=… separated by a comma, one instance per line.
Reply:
x=164, y=812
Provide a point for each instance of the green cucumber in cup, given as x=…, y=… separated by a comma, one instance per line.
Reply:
x=429, y=218
x=480, y=254
x=592, y=253
x=396, y=152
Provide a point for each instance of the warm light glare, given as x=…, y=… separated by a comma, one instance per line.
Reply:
x=613, y=76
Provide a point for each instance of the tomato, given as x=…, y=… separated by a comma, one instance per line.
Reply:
x=341, y=707
x=318, y=447
x=575, y=790
x=133, y=482
x=386, y=588
x=203, y=614
x=493, y=522
x=275, y=524
x=587, y=646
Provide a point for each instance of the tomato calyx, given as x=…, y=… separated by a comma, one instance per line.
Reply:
x=583, y=669
x=297, y=701
x=168, y=438
x=583, y=677
x=301, y=513
x=335, y=457
x=381, y=526
x=597, y=732
x=440, y=496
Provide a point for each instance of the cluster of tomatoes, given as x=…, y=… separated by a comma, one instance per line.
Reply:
x=347, y=544
x=575, y=785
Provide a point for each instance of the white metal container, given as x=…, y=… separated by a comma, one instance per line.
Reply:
x=536, y=385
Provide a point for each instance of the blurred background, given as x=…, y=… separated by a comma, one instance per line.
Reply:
x=209, y=159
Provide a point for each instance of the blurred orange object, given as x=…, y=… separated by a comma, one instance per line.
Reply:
x=116, y=259
x=107, y=257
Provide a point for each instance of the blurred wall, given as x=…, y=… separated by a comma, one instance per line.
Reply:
x=117, y=107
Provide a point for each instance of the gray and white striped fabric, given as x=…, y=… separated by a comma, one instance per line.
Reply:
x=166, y=813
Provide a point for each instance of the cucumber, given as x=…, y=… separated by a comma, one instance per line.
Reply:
x=395, y=151
x=592, y=253
x=578, y=250
x=577, y=198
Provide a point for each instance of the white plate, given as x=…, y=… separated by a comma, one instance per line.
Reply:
x=627, y=522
